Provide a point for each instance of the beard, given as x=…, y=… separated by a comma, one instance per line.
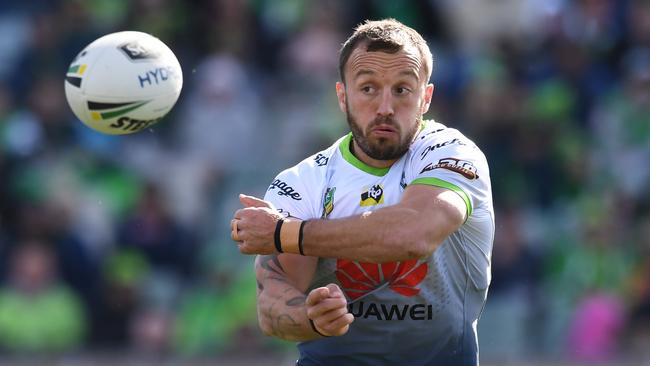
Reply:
x=383, y=148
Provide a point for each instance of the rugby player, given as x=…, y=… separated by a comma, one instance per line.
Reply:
x=376, y=250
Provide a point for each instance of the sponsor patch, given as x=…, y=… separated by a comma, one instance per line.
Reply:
x=372, y=196
x=433, y=147
x=462, y=167
x=384, y=311
x=358, y=278
x=321, y=160
x=285, y=190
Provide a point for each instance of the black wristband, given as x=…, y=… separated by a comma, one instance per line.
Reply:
x=276, y=236
x=300, y=248
x=313, y=326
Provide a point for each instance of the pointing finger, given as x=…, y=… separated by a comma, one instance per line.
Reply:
x=251, y=201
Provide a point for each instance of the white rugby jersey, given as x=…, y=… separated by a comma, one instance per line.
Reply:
x=416, y=312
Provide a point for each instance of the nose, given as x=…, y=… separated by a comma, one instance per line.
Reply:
x=385, y=107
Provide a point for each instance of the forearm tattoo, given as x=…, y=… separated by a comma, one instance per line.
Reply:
x=296, y=301
x=274, y=269
x=281, y=304
x=272, y=264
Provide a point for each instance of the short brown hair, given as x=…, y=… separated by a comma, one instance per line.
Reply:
x=386, y=35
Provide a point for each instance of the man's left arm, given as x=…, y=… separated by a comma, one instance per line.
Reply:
x=413, y=228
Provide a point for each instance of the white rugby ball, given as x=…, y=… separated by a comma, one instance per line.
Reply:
x=123, y=82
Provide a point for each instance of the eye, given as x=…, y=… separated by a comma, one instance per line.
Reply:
x=400, y=90
x=367, y=89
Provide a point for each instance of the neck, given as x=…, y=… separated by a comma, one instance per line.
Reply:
x=361, y=155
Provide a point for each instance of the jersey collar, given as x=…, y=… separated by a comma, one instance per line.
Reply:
x=344, y=147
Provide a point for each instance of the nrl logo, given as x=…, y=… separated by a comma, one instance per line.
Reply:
x=328, y=202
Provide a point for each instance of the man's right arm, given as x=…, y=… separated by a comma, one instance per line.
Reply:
x=283, y=306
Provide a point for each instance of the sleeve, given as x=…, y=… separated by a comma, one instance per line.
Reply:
x=293, y=192
x=456, y=164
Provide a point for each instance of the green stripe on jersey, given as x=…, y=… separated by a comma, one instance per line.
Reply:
x=344, y=147
x=452, y=187
x=423, y=125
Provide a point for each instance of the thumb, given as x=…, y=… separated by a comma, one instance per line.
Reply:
x=250, y=201
x=317, y=295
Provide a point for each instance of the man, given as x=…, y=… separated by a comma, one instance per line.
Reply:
x=376, y=251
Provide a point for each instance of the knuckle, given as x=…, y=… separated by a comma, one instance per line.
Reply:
x=349, y=318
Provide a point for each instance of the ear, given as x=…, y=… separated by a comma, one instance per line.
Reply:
x=428, y=94
x=340, y=94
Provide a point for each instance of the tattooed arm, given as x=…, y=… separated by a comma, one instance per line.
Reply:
x=283, y=308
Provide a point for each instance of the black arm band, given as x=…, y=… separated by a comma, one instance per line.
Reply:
x=276, y=236
x=313, y=326
x=300, y=248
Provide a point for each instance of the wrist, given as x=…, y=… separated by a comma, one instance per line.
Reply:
x=288, y=236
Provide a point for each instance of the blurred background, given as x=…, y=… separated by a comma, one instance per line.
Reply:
x=117, y=249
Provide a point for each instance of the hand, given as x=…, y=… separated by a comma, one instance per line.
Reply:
x=253, y=226
x=328, y=309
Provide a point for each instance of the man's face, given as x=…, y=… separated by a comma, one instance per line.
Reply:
x=384, y=98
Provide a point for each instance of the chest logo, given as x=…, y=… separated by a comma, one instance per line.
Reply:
x=372, y=196
x=328, y=202
x=358, y=279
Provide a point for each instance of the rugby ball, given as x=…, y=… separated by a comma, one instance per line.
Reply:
x=123, y=82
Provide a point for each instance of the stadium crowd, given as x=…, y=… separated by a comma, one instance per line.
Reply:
x=122, y=243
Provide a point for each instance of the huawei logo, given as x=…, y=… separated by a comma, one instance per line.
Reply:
x=359, y=279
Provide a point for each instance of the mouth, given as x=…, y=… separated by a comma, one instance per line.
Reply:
x=383, y=130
